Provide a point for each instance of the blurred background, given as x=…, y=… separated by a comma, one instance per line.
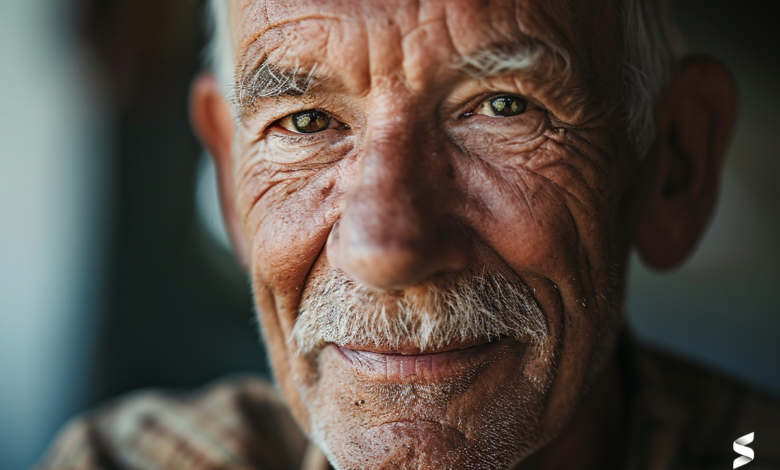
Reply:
x=113, y=270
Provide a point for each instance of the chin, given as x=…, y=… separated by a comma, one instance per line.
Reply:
x=418, y=445
x=484, y=412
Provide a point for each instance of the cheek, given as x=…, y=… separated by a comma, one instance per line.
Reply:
x=549, y=217
x=287, y=216
x=546, y=213
x=500, y=140
x=530, y=197
x=521, y=215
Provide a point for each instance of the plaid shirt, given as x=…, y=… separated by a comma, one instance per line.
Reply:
x=682, y=417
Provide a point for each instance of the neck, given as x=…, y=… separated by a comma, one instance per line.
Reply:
x=594, y=438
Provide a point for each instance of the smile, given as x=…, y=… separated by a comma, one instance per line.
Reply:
x=395, y=366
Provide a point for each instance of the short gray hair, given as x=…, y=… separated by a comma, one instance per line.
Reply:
x=652, y=47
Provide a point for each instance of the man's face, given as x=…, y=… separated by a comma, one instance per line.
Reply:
x=436, y=245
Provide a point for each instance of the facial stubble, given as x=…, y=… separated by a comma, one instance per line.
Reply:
x=486, y=418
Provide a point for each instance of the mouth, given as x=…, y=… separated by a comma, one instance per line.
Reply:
x=412, y=365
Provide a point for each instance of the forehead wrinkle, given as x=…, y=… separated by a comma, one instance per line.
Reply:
x=304, y=34
x=438, y=28
x=505, y=26
x=286, y=60
x=280, y=25
x=263, y=26
x=253, y=43
x=515, y=43
x=255, y=18
x=425, y=47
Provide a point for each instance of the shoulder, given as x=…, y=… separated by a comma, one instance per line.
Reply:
x=695, y=414
x=237, y=423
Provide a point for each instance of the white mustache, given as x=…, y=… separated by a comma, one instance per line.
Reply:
x=340, y=311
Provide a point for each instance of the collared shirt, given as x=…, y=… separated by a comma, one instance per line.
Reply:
x=682, y=417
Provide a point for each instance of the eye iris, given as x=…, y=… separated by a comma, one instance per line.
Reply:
x=507, y=106
x=310, y=121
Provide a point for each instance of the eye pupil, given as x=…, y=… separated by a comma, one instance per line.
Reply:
x=308, y=122
x=508, y=106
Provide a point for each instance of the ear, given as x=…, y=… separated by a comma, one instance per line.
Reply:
x=213, y=123
x=695, y=118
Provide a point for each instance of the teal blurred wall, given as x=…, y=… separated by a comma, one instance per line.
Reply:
x=52, y=223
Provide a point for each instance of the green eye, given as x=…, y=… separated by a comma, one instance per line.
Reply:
x=502, y=106
x=307, y=122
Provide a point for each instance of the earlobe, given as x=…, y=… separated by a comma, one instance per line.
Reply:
x=212, y=120
x=695, y=118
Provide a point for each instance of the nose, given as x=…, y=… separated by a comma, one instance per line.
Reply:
x=396, y=229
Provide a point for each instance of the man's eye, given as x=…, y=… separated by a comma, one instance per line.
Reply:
x=502, y=106
x=306, y=122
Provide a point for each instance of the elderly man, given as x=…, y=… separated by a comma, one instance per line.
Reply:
x=436, y=201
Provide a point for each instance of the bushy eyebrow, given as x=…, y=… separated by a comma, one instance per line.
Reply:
x=268, y=80
x=271, y=81
x=527, y=57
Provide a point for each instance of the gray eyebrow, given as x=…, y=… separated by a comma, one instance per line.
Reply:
x=513, y=58
x=270, y=81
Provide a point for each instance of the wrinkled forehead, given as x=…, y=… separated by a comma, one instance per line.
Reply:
x=371, y=33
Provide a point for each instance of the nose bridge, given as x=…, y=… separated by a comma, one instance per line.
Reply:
x=389, y=195
x=391, y=209
x=393, y=229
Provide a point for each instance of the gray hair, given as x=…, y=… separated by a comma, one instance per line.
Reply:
x=651, y=50
x=652, y=47
x=339, y=310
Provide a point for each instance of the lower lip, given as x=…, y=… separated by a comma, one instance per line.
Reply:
x=384, y=367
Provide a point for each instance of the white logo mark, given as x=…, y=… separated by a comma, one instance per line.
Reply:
x=740, y=447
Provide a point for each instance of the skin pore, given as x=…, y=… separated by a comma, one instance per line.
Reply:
x=390, y=166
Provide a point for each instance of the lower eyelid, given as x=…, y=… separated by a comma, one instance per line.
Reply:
x=523, y=126
x=295, y=137
x=504, y=120
x=299, y=138
x=289, y=150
